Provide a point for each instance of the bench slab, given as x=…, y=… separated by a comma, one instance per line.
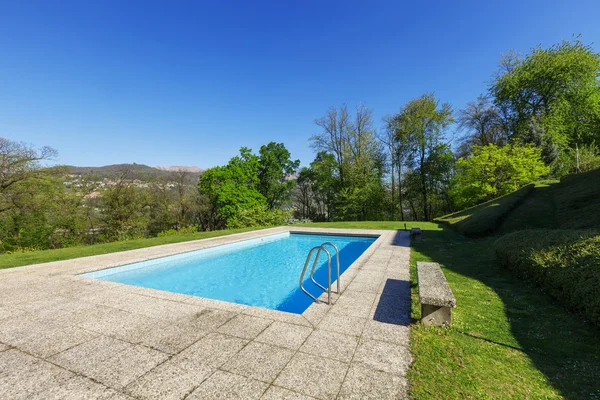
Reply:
x=435, y=295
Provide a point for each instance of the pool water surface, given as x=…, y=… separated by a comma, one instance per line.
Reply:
x=262, y=272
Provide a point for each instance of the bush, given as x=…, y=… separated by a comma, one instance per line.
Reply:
x=565, y=263
x=484, y=219
x=181, y=231
x=259, y=215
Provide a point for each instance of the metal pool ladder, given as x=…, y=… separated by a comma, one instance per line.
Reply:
x=319, y=249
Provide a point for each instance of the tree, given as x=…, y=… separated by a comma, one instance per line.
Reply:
x=483, y=124
x=421, y=124
x=556, y=88
x=20, y=163
x=274, y=174
x=493, y=171
x=233, y=187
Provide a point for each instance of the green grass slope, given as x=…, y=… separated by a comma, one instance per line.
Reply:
x=483, y=219
x=571, y=203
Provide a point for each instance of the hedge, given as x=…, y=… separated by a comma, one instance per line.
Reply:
x=565, y=263
x=484, y=218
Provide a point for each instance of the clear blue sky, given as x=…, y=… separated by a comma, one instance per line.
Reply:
x=173, y=82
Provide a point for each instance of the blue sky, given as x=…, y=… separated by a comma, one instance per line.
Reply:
x=188, y=83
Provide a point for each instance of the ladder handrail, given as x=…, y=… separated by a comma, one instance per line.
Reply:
x=319, y=248
x=337, y=261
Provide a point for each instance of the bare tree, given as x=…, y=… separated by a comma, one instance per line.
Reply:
x=333, y=138
x=483, y=124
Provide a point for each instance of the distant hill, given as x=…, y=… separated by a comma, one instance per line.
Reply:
x=136, y=171
x=173, y=168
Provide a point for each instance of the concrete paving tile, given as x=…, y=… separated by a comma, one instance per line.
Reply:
x=113, y=297
x=259, y=361
x=208, y=319
x=391, y=310
x=275, y=315
x=10, y=312
x=217, y=304
x=169, y=381
x=315, y=313
x=22, y=376
x=313, y=376
x=393, y=333
x=278, y=393
x=365, y=285
x=14, y=330
x=124, y=367
x=88, y=354
x=354, y=304
x=245, y=326
x=284, y=335
x=345, y=324
x=366, y=383
x=172, y=338
x=212, y=351
x=227, y=386
x=120, y=324
x=330, y=344
x=77, y=387
x=161, y=308
x=47, y=343
x=383, y=356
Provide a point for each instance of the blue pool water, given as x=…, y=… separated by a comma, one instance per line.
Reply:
x=261, y=272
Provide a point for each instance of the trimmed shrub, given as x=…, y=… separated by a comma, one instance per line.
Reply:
x=565, y=263
x=484, y=218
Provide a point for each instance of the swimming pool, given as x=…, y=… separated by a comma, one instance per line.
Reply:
x=262, y=272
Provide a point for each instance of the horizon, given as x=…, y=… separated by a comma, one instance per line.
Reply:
x=190, y=84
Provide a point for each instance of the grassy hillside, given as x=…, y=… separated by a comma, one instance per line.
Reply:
x=484, y=218
x=571, y=203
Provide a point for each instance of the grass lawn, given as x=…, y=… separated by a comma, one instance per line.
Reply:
x=508, y=339
x=19, y=259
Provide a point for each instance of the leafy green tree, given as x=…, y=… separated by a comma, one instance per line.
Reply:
x=275, y=168
x=551, y=97
x=232, y=188
x=420, y=128
x=493, y=171
x=125, y=209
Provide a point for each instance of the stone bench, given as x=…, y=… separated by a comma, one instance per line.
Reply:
x=436, y=297
x=415, y=233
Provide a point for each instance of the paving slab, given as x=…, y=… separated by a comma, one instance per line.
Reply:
x=170, y=380
x=245, y=326
x=212, y=351
x=345, y=324
x=365, y=383
x=259, y=361
x=77, y=387
x=110, y=361
x=314, y=376
x=22, y=376
x=284, y=335
x=227, y=386
x=383, y=356
x=331, y=345
x=278, y=393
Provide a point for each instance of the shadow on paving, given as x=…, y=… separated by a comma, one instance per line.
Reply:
x=560, y=344
x=394, y=303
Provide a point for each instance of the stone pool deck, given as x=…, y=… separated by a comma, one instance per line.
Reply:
x=67, y=337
